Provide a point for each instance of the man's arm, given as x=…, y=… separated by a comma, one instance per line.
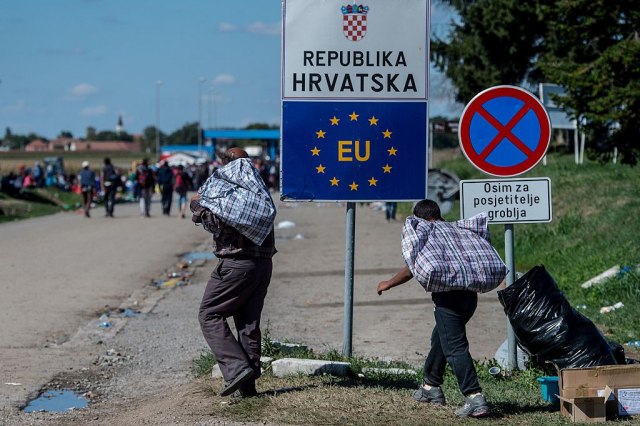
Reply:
x=401, y=277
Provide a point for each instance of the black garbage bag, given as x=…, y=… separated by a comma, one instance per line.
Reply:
x=548, y=328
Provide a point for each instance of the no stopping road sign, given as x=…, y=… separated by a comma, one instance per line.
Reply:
x=504, y=131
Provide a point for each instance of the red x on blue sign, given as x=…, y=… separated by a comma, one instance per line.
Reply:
x=504, y=131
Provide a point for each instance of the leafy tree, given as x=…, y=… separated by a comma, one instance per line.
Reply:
x=109, y=135
x=186, y=135
x=149, y=138
x=594, y=52
x=496, y=42
x=65, y=134
x=591, y=48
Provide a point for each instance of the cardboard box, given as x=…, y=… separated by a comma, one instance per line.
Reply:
x=598, y=393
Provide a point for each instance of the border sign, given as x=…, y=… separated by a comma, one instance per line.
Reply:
x=504, y=131
x=507, y=200
x=354, y=100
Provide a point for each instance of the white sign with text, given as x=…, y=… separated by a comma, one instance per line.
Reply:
x=507, y=200
x=337, y=50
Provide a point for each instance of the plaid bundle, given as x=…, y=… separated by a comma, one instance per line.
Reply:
x=446, y=256
x=237, y=195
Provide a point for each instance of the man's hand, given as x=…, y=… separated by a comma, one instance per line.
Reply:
x=384, y=286
x=196, y=197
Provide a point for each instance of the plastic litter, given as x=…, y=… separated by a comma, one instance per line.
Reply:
x=285, y=224
x=170, y=283
x=549, y=329
x=607, y=309
x=495, y=372
x=193, y=256
x=635, y=343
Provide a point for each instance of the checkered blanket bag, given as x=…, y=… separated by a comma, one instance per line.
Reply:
x=445, y=256
x=237, y=195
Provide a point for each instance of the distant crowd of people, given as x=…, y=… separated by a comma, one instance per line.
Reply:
x=110, y=184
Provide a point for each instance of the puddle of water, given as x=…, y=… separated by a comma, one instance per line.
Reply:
x=198, y=256
x=56, y=401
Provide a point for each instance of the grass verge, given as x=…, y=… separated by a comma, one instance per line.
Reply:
x=36, y=202
x=376, y=398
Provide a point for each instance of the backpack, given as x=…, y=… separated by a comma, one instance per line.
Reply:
x=144, y=178
x=180, y=183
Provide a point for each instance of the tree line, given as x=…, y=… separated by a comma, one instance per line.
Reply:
x=589, y=47
x=185, y=135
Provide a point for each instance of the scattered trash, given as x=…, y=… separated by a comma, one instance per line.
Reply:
x=635, y=343
x=289, y=237
x=56, y=401
x=129, y=313
x=607, y=309
x=549, y=388
x=285, y=224
x=202, y=255
x=170, y=283
x=599, y=279
x=13, y=384
x=495, y=372
x=104, y=321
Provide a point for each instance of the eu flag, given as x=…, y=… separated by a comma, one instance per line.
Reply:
x=354, y=151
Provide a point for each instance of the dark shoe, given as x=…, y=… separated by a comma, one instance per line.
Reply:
x=433, y=396
x=233, y=385
x=474, y=407
x=247, y=390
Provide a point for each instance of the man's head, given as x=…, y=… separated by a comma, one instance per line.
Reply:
x=427, y=210
x=233, y=154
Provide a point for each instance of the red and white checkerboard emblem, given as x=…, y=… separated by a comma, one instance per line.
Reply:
x=354, y=26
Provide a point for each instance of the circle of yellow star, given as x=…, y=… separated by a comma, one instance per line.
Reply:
x=353, y=186
x=392, y=151
x=315, y=151
x=387, y=134
x=353, y=116
x=320, y=168
x=373, y=181
x=334, y=181
x=334, y=121
x=320, y=134
x=387, y=168
x=373, y=121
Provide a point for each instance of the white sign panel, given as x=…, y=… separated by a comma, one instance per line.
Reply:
x=377, y=49
x=507, y=200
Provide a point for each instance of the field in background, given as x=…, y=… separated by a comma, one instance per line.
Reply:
x=11, y=161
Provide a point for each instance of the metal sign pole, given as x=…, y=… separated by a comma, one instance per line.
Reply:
x=512, y=348
x=348, y=279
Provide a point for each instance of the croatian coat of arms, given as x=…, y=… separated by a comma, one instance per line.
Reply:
x=354, y=21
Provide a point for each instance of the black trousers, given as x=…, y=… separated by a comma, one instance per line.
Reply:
x=167, y=197
x=109, y=199
x=449, y=344
x=237, y=289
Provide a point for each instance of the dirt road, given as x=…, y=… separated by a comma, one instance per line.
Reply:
x=60, y=272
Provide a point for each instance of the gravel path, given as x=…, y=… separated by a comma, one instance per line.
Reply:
x=139, y=370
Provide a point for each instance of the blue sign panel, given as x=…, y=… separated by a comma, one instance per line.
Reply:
x=504, y=131
x=354, y=151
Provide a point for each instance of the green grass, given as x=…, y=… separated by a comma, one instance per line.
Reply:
x=377, y=398
x=36, y=202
